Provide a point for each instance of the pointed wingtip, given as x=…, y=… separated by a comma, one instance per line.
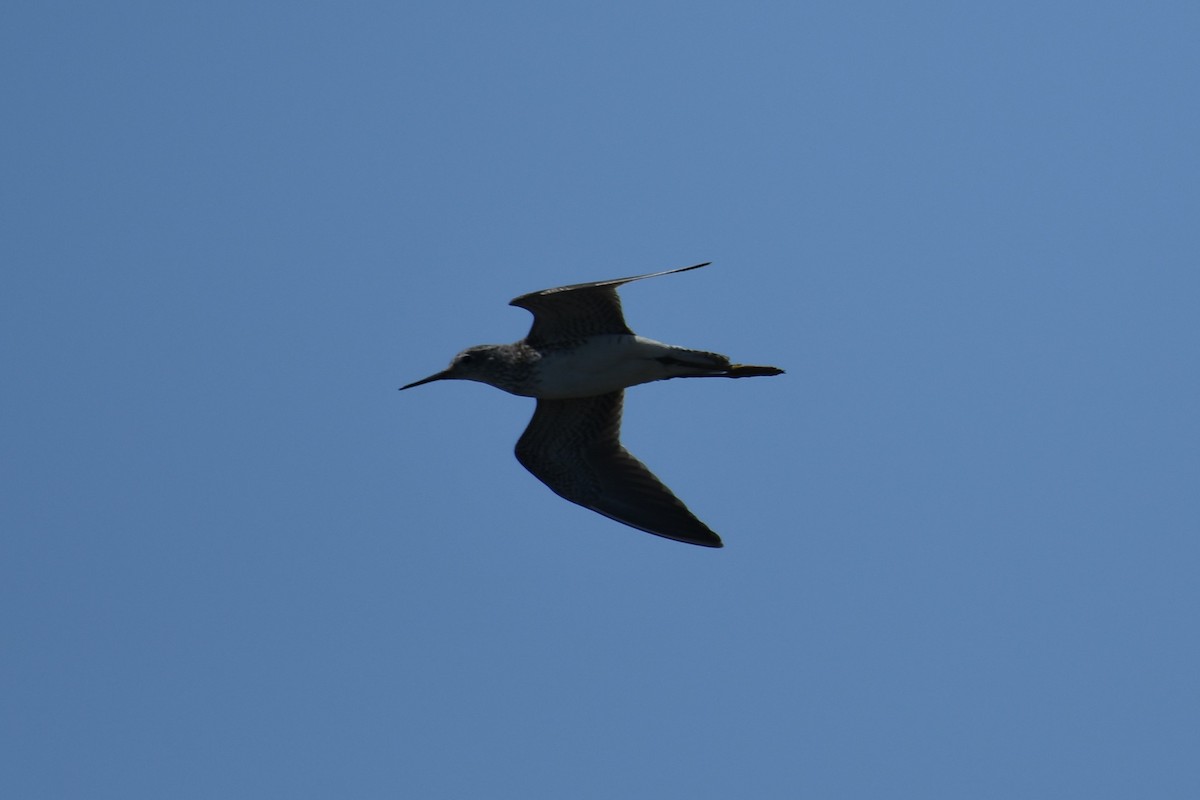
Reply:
x=707, y=539
x=523, y=301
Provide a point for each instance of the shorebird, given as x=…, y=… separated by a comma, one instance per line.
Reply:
x=577, y=360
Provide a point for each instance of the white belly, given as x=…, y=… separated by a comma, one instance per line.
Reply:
x=605, y=364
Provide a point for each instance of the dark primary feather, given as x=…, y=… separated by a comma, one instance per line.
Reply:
x=573, y=446
x=570, y=313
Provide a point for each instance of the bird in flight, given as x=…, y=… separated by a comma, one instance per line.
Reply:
x=577, y=360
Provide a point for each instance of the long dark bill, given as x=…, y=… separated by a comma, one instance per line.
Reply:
x=435, y=377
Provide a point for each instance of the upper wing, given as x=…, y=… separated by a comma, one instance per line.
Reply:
x=570, y=313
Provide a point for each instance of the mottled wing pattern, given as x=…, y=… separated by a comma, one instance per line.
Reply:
x=573, y=446
x=571, y=316
x=570, y=313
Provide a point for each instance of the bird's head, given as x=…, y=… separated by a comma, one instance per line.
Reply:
x=476, y=363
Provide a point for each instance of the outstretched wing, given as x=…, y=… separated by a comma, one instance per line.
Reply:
x=571, y=313
x=573, y=446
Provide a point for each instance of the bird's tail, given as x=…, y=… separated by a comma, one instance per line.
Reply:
x=703, y=364
x=749, y=371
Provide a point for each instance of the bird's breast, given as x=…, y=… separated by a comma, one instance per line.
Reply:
x=599, y=365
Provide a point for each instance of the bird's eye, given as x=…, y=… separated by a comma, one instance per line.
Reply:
x=466, y=358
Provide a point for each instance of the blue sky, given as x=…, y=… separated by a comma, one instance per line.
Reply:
x=961, y=531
